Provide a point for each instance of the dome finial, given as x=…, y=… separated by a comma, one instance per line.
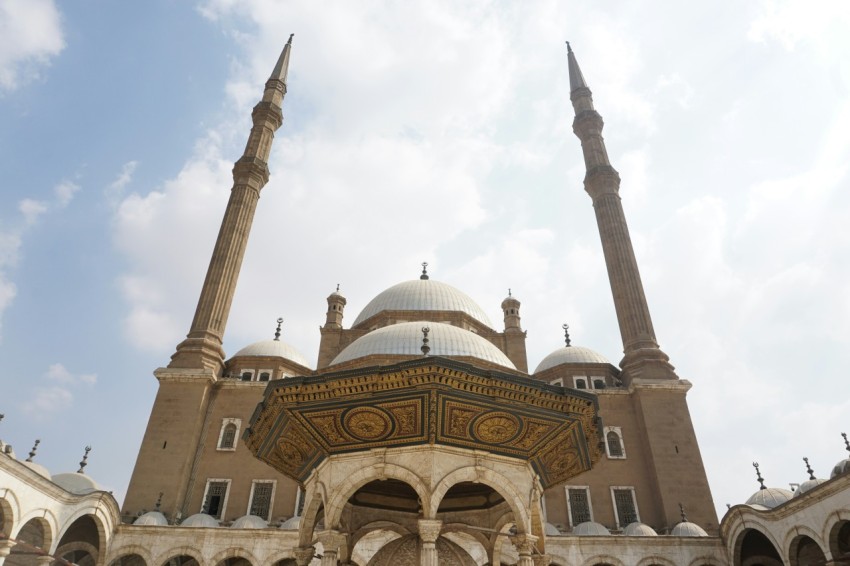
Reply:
x=34, y=449
x=566, y=328
x=758, y=475
x=424, y=275
x=425, y=347
x=277, y=331
x=846, y=442
x=682, y=513
x=84, y=462
x=158, y=501
x=809, y=469
x=337, y=287
x=509, y=292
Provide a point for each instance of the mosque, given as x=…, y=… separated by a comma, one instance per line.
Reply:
x=420, y=436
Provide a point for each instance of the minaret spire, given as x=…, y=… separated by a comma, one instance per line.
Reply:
x=643, y=358
x=202, y=347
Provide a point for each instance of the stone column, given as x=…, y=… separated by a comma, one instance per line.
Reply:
x=332, y=541
x=303, y=556
x=429, y=532
x=525, y=546
x=5, y=549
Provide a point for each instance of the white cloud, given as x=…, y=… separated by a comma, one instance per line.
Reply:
x=48, y=400
x=31, y=210
x=30, y=35
x=65, y=192
x=115, y=190
x=59, y=373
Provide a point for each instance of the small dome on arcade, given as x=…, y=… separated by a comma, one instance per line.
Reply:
x=77, y=483
x=200, y=520
x=842, y=467
x=769, y=497
x=423, y=294
x=275, y=348
x=551, y=530
x=406, y=338
x=570, y=354
x=686, y=528
x=249, y=522
x=810, y=483
x=638, y=529
x=151, y=519
x=591, y=529
x=291, y=524
x=37, y=468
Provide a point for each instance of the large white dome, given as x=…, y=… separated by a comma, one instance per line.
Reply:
x=273, y=349
x=423, y=295
x=571, y=355
x=405, y=339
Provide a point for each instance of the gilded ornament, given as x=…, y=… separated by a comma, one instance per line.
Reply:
x=367, y=423
x=496, y=428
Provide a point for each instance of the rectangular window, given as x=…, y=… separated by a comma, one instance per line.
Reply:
x=265, y=375
x=580, y=382
x=215, y=498
x=247, y=375
x=299, y=502
x=262, y=494
x=625, y=506
x=578, y=503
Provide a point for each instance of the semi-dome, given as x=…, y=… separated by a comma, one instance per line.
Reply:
x=637, y=529
x=770, y=497
x=571, y=355
x=405, y=339
x=76, y=483
x=200, y=520
x=273, y=349
x=249, y=522
x=151, y=519
x=688, y=529
x=808, y=485
x=591, y=529
x=423, y=295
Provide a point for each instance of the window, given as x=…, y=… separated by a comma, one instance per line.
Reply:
x=558, y=381
x=578, y=505
x=598, y=383
x=614, y=443
x=625, y=507
x=265, y=375
x=229, y=434
x=299, y=502
x=580, y=382
x=262, y=495
x=247, y=375
x=215, y=498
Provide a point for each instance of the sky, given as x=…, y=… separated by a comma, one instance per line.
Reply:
x=434, y=131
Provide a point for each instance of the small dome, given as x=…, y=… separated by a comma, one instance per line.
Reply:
x=770, y=497
x=551, y=530
x=405, y=339
x=200, y=520
x=273, y=349
x=639, y=530
x=423, y=295
x=76, y=483
x=406, y=550
x=152, y=519
x=688, y=529
x=249, y=522
x=757, y=507
x=291, y=524
x=808, y=485
x=571, y=355
x=840, y=468
x=590, y=528
x=37, y=468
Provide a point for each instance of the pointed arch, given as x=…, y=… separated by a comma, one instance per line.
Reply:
x=234, y=552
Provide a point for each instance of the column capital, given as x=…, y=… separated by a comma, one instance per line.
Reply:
x=303, y=556
x=524, y=543
x=332, y=540
x=429, y=529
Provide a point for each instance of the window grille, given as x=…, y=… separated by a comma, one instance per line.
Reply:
x=624, y=500
x=216, y=493
x=228, y=437
x=615, y=447
x=579, y=506
x=261, y=499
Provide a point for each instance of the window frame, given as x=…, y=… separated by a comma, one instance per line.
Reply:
x=271, y=498
x=221, y=514
x=619, y=432
x=224, y=422
x=242, y=373
x=631, y=489
x=586, y=490
x=261, y=372
x=584, y=378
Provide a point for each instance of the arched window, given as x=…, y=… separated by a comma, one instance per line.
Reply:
x=229, y=433
x=614, y=442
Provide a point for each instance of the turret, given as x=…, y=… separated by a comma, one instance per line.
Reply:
x=336, y=306
x=510, y=308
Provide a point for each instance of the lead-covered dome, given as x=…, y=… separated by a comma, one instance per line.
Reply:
x=688, y=529
x=151, y=519
x=76, y=482
x=591, y=529
x=273, y=349
x=770, y=497
x=405, y=339
x=571, y=355
x=423, y=295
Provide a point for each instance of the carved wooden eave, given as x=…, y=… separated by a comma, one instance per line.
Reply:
x=429, y=400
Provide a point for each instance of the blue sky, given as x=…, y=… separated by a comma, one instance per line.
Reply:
x=436, y=131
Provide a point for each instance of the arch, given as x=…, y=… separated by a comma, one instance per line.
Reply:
x=705, y=561
x=804, y=550
x=234, y=552
x=38, y=531
x=753, y=543
x=792, y=536
x=498, y=482
x=103, y=512
x=603, y=560
x=479, y=536
x=7, y=514
x=183, y=556
x=130, y=550
x=280, y=557
x=839, y=539
x=502, y=527
x=84, y=527
x=355, y=481
x=363, y=556
x=78, y=552
x=655, y=560
x=355, y=537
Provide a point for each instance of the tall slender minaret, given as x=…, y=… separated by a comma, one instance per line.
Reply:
x=643, y=358
x=202, y=346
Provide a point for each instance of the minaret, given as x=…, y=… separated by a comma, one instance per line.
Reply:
x=202, y=346
x=643, y=358
x=514, y=334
